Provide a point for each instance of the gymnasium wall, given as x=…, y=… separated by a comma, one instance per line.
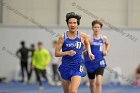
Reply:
x=124, y=52
x=121, y=13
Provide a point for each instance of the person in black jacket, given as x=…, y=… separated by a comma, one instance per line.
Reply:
x=22, y=54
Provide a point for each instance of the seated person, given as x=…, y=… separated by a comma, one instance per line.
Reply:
x=115, y=78
x=2, y=79
x=137, y=76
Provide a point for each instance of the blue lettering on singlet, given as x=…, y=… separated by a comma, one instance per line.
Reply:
x=75, y=45
x=97, y=49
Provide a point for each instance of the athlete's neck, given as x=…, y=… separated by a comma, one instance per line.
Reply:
x=73, y=32
x=97, y=36
x=72, y=35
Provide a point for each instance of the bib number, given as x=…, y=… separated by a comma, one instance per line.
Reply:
x=78, y=45
x=81, y=68
x=102, y=63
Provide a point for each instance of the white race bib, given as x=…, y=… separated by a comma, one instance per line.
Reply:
x=81, y=68
x=102, y=63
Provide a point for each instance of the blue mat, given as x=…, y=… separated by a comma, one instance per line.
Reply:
x=17, y=87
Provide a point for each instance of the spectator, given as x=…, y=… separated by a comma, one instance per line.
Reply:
x=55, y=63
x=41, y=60
x=32, y=50
x=22, y=54
x=115, y=78
x=137, y=76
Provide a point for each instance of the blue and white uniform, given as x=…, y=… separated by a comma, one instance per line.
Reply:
x=96, y=49
x=72, y=65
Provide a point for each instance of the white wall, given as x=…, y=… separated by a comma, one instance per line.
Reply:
x=121, y=13
x=135, y=13
x=124, y=52
x=43, y=11
x=115, y=14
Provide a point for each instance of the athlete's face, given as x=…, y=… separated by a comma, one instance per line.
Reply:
x=96, y=29
x=72, y=24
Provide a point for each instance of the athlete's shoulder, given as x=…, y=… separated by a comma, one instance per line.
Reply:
x=83, y=35
x=104, y=37
x=61, y=36
x=60, y=39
